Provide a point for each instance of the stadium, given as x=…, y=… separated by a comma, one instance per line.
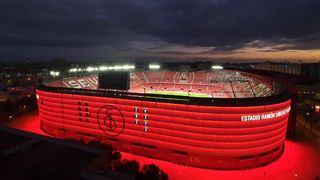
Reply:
x=223, y=119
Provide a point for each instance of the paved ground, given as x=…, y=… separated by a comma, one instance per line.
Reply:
x=45, y=160
x=29, y=122
x=315, y=130
x=300, y=160
x=8, y=140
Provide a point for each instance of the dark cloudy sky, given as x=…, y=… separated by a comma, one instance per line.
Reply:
x=160, y=29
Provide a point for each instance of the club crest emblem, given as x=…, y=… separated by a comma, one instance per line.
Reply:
x=110, y=120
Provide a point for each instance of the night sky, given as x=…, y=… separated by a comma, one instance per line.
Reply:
x=125, y=30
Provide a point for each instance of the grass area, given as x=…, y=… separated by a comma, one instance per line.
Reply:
x=182, y=94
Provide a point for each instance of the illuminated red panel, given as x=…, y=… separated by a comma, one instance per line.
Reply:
x=203, y=136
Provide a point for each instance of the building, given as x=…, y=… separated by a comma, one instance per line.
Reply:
x=222, y=119
x=312, y=71
x=286, y=67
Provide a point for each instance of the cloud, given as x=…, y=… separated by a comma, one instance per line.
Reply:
x=224, y=25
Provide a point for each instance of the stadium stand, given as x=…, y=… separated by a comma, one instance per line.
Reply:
x=217, y=84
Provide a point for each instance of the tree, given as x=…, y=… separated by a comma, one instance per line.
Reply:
x=152, y=172
x=129, y=167
x=114, y=160
x=98, y=144
x=115, y=155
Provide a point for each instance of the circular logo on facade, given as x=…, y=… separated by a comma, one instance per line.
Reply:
x=110, y=120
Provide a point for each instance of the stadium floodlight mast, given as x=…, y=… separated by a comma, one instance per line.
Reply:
x=124, y=67
x=103, y=68
x=89, y=69
x=121, y=67
x=154, y=66
x=73, y=70
x=54, y=73
x=216, y=67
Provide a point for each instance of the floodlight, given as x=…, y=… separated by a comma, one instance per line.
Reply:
x=217, y=67
x=154, y=66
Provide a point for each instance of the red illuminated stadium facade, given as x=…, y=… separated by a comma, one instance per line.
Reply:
x=219, y=120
